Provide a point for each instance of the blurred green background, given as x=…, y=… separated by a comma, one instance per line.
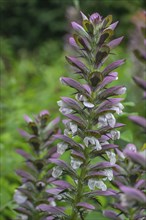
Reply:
x=33, y=46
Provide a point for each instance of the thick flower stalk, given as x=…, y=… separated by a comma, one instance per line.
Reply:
x=37, y=171
x=130, y=182
x=90, y=124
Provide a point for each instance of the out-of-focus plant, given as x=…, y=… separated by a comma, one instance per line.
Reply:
x=140, y=54
x=130, y=182
x=90, y=124
x=130, y=179
x=36, y=174
x=137, y=42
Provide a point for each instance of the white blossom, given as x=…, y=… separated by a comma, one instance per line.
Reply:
x=75, y=163
x=19, y=197
x=57, y=171
x=115, y=134
x=101, y=185
x=109, y=174
x=111, y=120
x=93, y=141
x=118, y=108
x=61, y=147
x=71, y=128
x=102, y=121
x=107, y=119
x=112, y=156
x=88, y=104
x=92, y=183
x=63, y=108
x=53, y=203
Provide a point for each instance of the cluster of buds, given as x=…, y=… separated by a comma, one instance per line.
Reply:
x=37, y=172
x=130, y=182
x=90, y=124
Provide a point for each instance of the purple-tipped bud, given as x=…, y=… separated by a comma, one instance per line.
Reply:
x=27, y=119
x=95, y=18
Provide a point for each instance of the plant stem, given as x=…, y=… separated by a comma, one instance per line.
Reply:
x=80, y=187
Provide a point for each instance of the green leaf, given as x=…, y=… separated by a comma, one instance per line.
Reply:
x=127, y=136
x=130, y=104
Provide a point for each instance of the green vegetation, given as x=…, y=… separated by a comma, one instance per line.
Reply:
x=30, y=77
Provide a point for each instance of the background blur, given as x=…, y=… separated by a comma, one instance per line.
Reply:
x=33, y=43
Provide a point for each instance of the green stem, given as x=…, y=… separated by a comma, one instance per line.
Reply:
x=80, y=187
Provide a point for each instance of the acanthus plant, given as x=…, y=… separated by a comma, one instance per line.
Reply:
x=36, y=173
x=90, y=124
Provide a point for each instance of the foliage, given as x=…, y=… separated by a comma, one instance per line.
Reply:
x=30, y=79
x=30, y=23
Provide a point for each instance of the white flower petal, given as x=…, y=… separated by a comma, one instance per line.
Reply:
x=102, y=121
x=75, y=164
x=93, y=141
x=91, y=184
x=109, y=174
x=88, y=104
x=110, y=119
x=73, y=127
x=65, y=110
x=19, y=197
x=57, y=171
x=115, y=134
x=61, y=147
x=101, y=185
x=112, y=157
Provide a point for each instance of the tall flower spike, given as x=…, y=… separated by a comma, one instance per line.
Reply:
x=37, y=173
x=91, y=124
